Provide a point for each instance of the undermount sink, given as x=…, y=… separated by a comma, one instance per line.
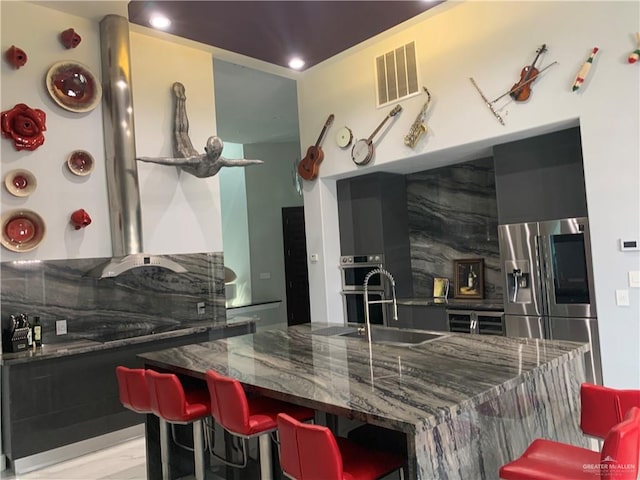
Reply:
x=395, y=337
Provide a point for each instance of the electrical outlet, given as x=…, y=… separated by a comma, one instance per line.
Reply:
x=61, y=327
x=201, y=308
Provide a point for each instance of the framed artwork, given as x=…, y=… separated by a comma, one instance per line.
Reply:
x=468, y=278
x=440, y=287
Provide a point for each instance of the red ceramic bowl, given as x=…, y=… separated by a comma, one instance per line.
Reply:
x=80, y=162
x=73, y=86
x=22, y=230
x=20, y=183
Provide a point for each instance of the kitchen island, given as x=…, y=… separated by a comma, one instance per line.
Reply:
x=467, y=403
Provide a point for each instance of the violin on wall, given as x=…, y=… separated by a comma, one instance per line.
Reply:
x=521, y=91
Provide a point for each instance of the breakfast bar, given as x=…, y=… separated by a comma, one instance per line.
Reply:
x=467, y=404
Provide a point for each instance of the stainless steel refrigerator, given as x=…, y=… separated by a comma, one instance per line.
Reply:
x=548, y=279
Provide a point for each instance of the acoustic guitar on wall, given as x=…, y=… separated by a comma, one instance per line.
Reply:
x=310, y=164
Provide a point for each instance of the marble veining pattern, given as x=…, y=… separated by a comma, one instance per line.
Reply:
x=468, y=402
x=138, y=302
x=453, y=215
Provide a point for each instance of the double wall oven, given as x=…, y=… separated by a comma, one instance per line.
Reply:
x=353, y=269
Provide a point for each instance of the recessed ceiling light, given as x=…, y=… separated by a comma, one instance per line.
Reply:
x=296, y=63
x=159, y=21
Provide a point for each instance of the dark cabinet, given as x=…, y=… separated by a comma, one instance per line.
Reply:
x=373, y=219
x=421, y=317
x=540, y=178
x=52, y=402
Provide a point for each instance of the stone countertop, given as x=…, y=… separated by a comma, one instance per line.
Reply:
x=455, y=397
x=454, y=303
x=82, y=345
x=392, y=386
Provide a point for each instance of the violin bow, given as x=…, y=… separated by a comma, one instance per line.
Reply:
x=519, y=86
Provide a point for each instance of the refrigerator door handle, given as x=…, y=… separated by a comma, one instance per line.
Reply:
x=543, y=291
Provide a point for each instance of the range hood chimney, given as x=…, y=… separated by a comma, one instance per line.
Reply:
x=120, y=154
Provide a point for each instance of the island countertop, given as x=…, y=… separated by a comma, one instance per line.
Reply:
x=413, y=389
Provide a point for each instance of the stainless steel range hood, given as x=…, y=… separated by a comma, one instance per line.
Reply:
x=120, y=155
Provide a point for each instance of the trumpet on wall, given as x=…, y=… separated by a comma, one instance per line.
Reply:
x=418, y=128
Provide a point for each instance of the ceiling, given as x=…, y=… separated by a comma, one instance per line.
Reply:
x=274, y=31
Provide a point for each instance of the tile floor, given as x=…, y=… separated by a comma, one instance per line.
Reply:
x=122, y=462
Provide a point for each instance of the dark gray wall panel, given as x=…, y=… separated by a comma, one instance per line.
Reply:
x=540, y=178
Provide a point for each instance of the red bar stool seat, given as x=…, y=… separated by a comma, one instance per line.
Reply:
x=248, y=418
x=173, y=404
x=133, y=390
x=603, y=407
x=312, y=452
x=550, y=460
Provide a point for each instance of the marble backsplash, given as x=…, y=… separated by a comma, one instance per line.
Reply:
x=138, y=302
x=453, y=215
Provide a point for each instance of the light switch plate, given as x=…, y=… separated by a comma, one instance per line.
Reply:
x=622, y=298
x=634, y=279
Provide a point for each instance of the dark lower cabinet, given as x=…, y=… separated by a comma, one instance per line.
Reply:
x=421, y=317
x=53, y=402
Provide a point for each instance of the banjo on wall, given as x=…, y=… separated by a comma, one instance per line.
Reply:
x=362, y=151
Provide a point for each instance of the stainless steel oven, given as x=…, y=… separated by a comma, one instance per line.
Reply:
x=355, y=267
x=354, y=307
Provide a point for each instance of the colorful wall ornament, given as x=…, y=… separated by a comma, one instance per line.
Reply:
x=24, y=125
x=80, y=219
x=635, y=55
x=15, y=56
x=70, y=39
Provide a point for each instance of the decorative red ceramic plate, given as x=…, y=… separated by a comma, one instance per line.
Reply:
x=22, y=230
x=80, y=162
x=73, y=86
x=20, y=183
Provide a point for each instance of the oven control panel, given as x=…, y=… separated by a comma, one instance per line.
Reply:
x=361, y=259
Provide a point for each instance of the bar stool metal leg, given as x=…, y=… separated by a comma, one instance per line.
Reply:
x=164, y=449
x=198, y=449
x=264, y=442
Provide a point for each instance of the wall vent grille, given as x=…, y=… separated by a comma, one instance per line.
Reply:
x=397, y=74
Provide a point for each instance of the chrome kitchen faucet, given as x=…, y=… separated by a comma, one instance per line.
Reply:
x=382, y=272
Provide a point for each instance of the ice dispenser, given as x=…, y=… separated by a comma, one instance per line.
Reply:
x=518, y=281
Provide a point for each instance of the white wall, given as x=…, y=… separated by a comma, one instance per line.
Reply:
x=180, y=213
x=36, y=30
x=492, y=41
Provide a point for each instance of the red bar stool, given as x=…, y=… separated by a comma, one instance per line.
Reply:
x=133, y=390
x=173, y=404
x=602, y=407
x=312, y=452
x=549, y=460
x=248, y=418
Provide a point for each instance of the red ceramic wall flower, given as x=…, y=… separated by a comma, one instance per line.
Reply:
x=24, y=125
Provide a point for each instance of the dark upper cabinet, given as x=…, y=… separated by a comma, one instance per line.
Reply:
x=373, y=218
x=540, y=178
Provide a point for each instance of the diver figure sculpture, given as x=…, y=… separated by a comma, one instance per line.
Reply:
x=185, y=156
